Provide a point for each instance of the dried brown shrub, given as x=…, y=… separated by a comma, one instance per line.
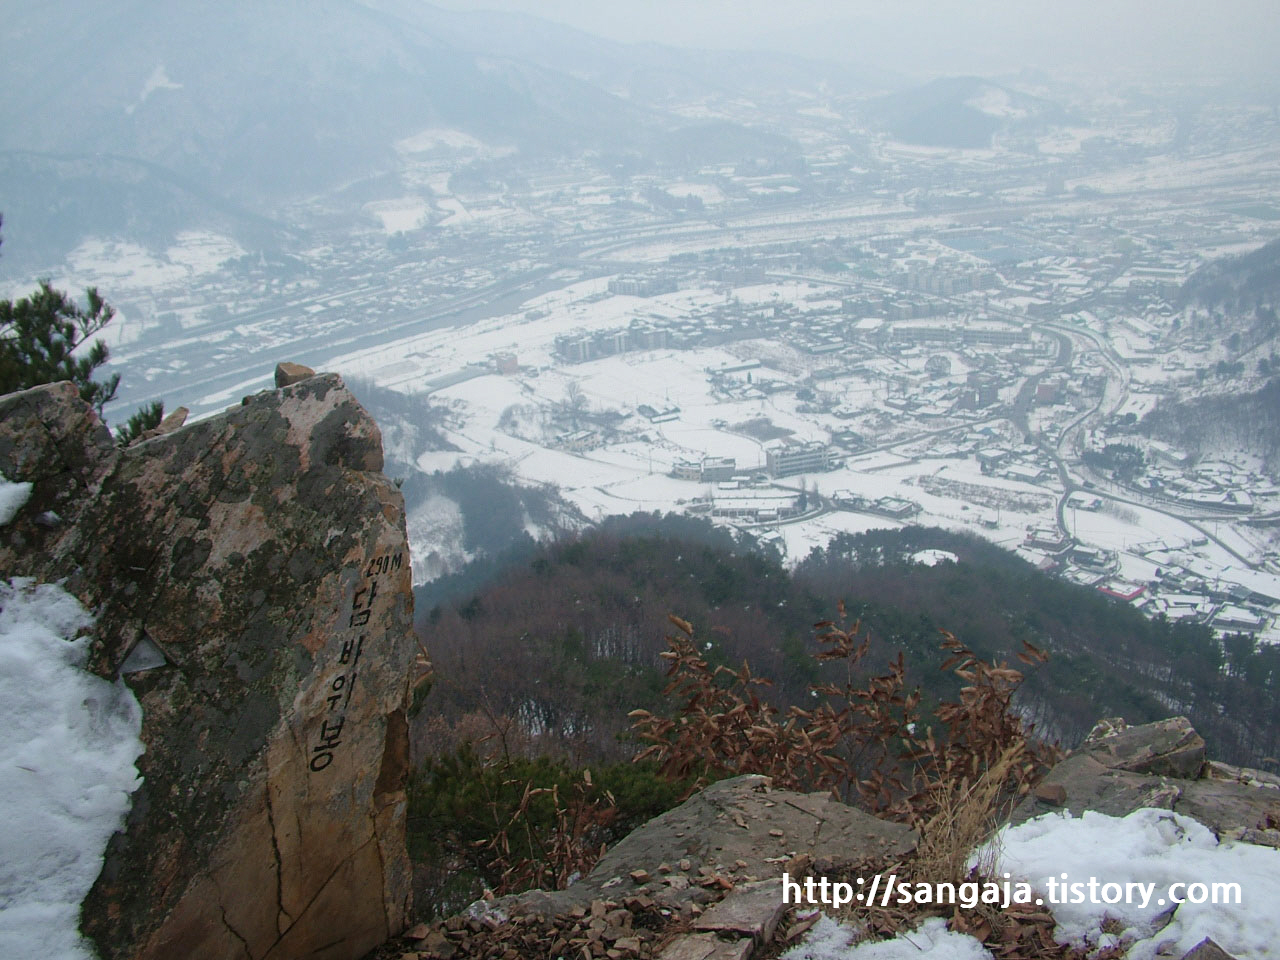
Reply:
x=724, y=727
x=954, y=785
x=551, y=860
x=859, y=739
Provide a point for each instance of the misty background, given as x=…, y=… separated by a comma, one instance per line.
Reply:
x=141, y=118
x=927, y=38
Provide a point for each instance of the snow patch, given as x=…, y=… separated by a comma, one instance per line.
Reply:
x=13, y=496
x=66, y=770
x=199, y=252
x=829, y=940
x=457, y=213
x=1065, y=140
x=706, y=192
x=159, y=80
x=995, y=102
x=931, y=558
x=824, y=113
x=406, y=213
x=437, y=531
x=826, y=940
x=438, y=138
x=125, y=266
x=1148, y=846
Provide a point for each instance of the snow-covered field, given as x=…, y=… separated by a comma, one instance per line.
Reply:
x=406, y=213
x=1168, y=172
x=706, y=192
x=118, y=265
x=510, y=419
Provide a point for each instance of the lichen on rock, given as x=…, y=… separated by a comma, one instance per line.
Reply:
x=259, y=559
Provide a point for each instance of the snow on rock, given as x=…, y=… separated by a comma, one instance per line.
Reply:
x=437, y=541
x=1153, y=847
x=829, y=940
x=1149, y=846
x=66, y=770
x=12, y=498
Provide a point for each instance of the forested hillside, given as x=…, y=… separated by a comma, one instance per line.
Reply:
x=1239, y=283
x=556, y=650
x=1106, y=657
x=1210, y=425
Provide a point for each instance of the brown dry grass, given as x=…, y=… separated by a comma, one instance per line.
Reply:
x=859, y=740
x=964, y=820
x=954, y=785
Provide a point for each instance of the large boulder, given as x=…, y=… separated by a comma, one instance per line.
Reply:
x=737, y=830
x=48, y=438
x=1119, y=769
x=1084, y=783
x=1169, y=748
x=702, y=881
x=249, y=575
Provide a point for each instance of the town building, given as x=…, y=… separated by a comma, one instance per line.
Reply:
x=787, y=458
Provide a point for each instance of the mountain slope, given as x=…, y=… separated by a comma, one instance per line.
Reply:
x=639, y=71
x=1242, y=282
x=259, y=99
x=963, y=112
x=223, y=112
x=573, y=633
x=1221, y=424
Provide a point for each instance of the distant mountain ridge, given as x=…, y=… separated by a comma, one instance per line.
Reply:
x=259, y=98
x=243, y=105
x=144, y=119
x=962, y=112
x=640, y=71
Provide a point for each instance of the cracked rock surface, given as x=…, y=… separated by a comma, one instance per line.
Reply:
x=1119, y=769
x=739, y=829
x=699, y=882
x=257, y=561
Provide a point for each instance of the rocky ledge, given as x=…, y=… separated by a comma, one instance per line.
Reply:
x=701, y=881
x=1119, y=769
x=249, y=577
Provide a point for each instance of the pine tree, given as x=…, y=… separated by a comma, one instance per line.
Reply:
x=40, y=335
x=144, y=419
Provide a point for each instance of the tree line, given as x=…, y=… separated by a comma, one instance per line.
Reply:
x=553, y=653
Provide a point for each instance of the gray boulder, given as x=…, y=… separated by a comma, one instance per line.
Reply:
x=738, y=830
x=1119, y=769
x=249, y=575
x=1169, y=748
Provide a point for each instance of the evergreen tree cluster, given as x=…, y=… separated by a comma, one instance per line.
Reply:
x=569, y=638
x=46, y=337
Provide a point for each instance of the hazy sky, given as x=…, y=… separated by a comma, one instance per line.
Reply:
x=941, y=36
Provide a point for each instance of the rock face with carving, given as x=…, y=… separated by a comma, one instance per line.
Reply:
x=249, y=575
